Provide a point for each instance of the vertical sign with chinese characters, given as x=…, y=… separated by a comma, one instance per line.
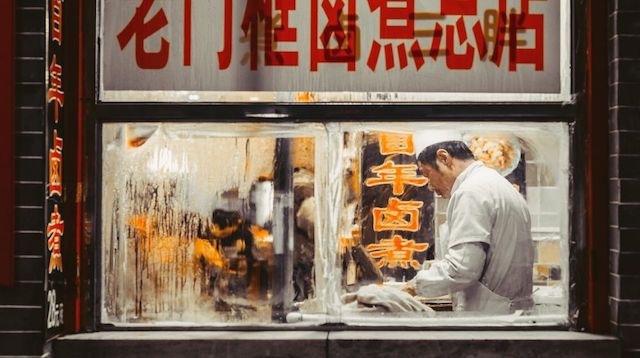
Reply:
x=54, y=216
x=361, y=50
x=395, y=202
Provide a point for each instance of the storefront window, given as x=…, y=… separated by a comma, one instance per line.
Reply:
x=259, y=224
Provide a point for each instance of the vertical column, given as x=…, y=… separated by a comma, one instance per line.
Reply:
x=282, y=230
x=7, y=113
x=596, y=159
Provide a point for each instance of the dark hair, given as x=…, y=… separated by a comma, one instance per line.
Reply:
x=457, y=149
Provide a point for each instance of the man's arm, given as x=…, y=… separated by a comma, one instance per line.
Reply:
x=461, y=266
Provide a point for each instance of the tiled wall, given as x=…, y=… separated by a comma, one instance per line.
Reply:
x=22, y=315
x=624, y=172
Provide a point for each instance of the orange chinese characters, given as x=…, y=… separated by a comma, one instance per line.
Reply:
x=398, y=175
x=55, y=230
x=394, y=216
x=396, y=251
x=396, y=143
x=56, y=21
x=55, y=166
x=55, y=93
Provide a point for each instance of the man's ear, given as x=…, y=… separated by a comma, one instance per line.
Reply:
x=443, y=156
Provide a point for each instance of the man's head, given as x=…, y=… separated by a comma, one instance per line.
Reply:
x=442, y=162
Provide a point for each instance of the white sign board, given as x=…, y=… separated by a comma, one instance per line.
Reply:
x=334, y=50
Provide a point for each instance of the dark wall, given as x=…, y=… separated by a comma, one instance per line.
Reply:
x=624, y=172
x=22, y=316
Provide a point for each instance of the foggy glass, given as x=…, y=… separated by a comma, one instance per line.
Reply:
x=198, y=224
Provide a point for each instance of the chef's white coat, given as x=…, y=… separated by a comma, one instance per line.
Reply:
x=484, y=255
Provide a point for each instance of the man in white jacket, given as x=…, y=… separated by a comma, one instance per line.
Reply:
x=484, y=255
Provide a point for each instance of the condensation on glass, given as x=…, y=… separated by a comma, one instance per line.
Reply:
x=199, y=222
x=259, y=224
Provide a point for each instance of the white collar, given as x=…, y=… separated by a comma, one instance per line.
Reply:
x=465, y=173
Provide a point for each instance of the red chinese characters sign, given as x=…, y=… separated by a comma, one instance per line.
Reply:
x=364, y=49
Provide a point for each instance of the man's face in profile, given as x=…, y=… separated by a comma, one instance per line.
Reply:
x=438, y=179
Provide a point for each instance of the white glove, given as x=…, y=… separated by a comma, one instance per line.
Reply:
x=389, y=298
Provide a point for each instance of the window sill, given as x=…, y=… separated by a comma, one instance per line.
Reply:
x=337, y=344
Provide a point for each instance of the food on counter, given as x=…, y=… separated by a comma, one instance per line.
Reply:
x=495, y=151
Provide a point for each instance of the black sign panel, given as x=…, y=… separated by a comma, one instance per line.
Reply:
x=54, y=223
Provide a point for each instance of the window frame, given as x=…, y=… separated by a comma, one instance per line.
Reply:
x=573, y=113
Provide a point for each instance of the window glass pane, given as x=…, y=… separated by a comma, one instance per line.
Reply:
x=292, y=224
x=199, y=222
x=394, y=227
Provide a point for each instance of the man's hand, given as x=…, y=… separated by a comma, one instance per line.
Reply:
x=409, y=289
x=389, y=298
